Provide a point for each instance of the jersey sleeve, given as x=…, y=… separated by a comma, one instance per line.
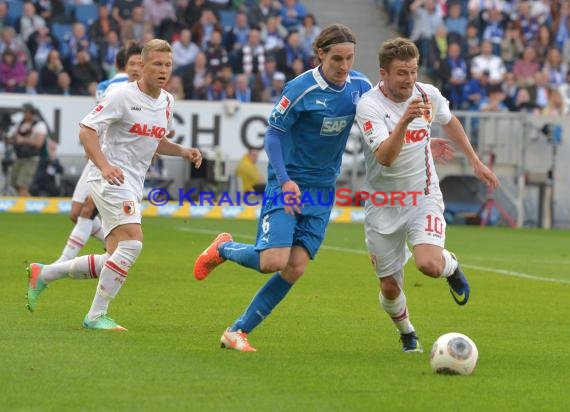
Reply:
x=169, y=112
x=287, y=110
x=440, y=105
x=109, y=110
x=370, y=119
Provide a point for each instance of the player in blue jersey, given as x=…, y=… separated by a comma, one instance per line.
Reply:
x=83, y=212
x=305, y=140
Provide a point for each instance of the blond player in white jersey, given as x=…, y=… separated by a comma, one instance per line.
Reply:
x=83, y=211
x=406, y=204
x=137, y=122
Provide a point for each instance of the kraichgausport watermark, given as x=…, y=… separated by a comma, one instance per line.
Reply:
x=339, y=197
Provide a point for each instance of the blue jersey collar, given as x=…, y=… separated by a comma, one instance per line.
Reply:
x=322, y=82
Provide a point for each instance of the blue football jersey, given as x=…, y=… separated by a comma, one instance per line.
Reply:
x=316, y=120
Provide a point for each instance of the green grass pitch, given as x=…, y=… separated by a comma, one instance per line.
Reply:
x=327, y=347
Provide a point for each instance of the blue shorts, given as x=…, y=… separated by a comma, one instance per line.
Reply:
x=277, y=229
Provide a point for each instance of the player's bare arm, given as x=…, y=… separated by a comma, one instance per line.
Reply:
x=169, y=148
x=456, y=133
x=90, y=141
x=292, y=197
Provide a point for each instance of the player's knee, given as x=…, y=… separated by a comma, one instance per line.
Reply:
x=390, y=288
x=130, y=248
x=430, y=266
x=271, y=266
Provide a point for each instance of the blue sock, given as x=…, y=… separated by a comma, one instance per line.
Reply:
x=262, y=304
x=241, y=253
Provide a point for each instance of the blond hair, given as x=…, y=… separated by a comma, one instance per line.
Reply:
x=155, y=45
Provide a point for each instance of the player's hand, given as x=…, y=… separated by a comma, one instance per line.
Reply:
x=291, y=197
x=113, y=175
x=442, y=150
x=486, y=175
x=194, y=156
x=417, y=108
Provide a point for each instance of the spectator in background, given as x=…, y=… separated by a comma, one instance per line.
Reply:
x=528, y=23
x=294, y=50
x=175, y=87
x=543, y=42
x=11, y=40
x=487, y=61
x=50, y=72
x=50, y=10
x=523, y=102
x=454, y=72
x=272, y=93
x=12, y=73
x=197, y=79
x=243, y=92
x=28, y=139
x=554, y=67
x=494, y=101
x=251, y=178
x=292, y=14
x=539, y=90
x=556, y=105
x=476, y=90
x=297, y=68
x=251, y=58
x=456, y=22
x=437, y=51
x=215, y=91
x=526, y=67
x=216, y=54
x=193, y=12
x=101, y=26
x=511, y=46
x=123, y=10
x=564, y=90
x=510, y=88
x=264, y=78
x=259, y=12
x=40, y=44
x=494, y=29
x=236, y=36
x=202, y=30
x=30, y=21
x=108, y=53
x=5, y=19
x=79, y=40
x=308, y=32
x=157, y=12
x=31, y=85
x=133, y=29
x=85, y=74
x=184, y=52
x=273, y=35
x=472, y=43
x=63, y=84
x=426, y=20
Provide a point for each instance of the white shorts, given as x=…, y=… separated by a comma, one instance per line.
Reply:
x=116, y=205
x=81, y=190
x=388, y=229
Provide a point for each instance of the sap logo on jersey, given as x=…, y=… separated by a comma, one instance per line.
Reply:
x=333, y=126
x=147, y=131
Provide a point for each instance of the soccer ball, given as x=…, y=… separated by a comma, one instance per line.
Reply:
x=453, y=353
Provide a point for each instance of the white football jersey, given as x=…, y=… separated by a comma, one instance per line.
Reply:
x=132, y=123
x=413, y=169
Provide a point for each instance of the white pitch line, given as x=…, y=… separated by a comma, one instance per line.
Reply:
x=362, y=251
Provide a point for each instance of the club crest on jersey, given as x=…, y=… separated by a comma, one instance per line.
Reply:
x=147, y=131
x=333, y=126
x=283, y=104
x=98, y=108
x=129, y=207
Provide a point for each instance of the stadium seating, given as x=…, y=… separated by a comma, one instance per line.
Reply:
x=86, y=13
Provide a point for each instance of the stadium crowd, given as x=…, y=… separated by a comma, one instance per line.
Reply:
x=222, y=49
x=492, y=55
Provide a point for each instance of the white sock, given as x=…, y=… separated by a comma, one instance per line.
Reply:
x=397, y=309
x=82, y=267
x=77, y=239
x=97, y=230
x=450, y=264
x=113, y=275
